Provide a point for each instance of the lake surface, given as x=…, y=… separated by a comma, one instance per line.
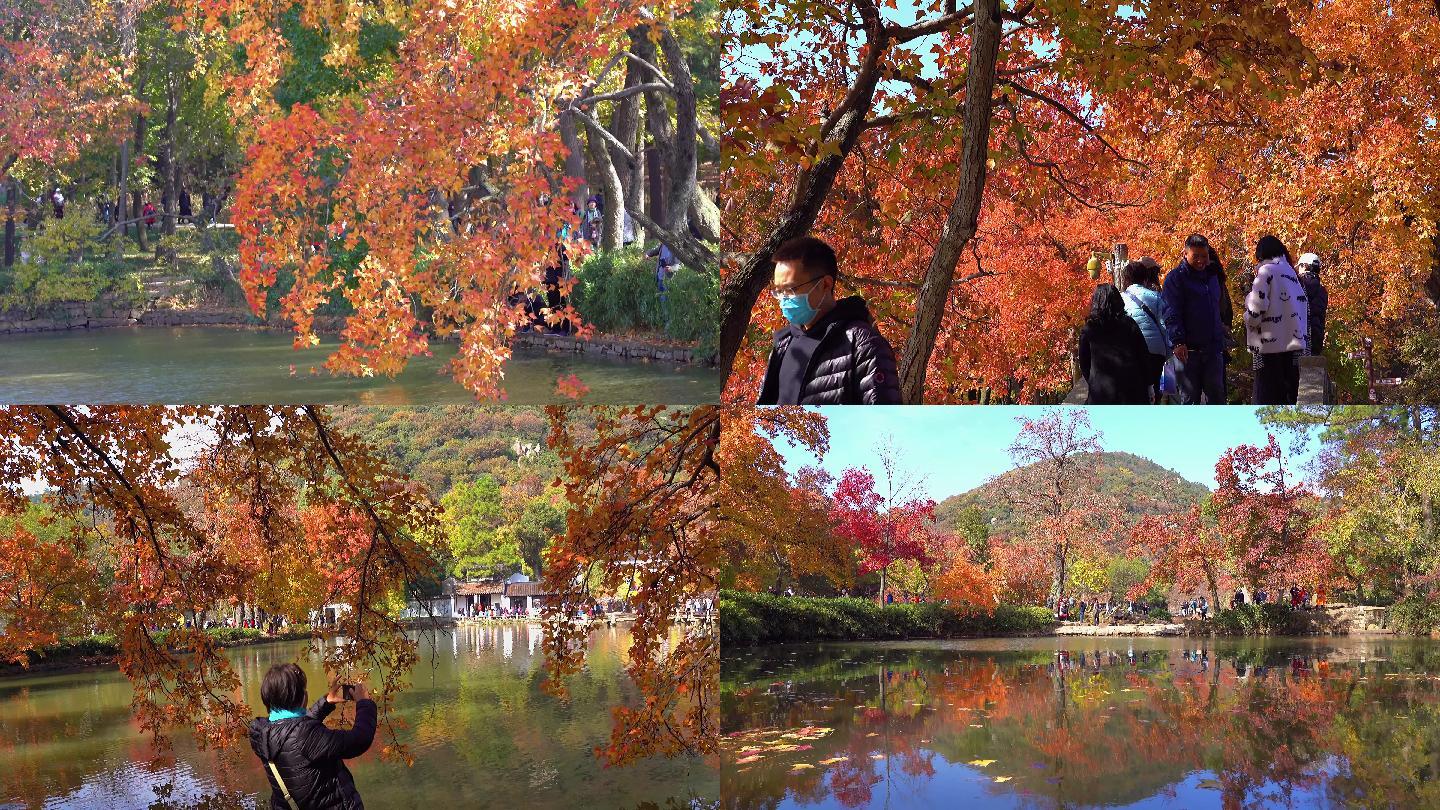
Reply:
x=218, y=365
x=1324, y=722
x=481, y=731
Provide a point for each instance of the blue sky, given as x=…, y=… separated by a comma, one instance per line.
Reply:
x=958, y=448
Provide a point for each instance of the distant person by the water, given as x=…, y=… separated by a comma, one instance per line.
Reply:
x=1276, y=324
x=1114, y=358
x=830, y=353
x=57, y=200
x=303, y=759
x=1191, y=308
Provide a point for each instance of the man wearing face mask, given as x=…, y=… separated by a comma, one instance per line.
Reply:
x=830, y=353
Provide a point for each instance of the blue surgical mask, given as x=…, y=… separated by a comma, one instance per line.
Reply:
x=797, y=309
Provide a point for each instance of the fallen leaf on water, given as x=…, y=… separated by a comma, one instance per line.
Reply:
x=1003, y=778
x=748, y=760
x=1211, y=784
x=983, y=763
x=976, y=725
x=873, y=734
x=833, y=760
x=877, y=756
x=800, y=766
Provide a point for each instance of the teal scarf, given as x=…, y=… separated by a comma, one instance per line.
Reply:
x=285, y=714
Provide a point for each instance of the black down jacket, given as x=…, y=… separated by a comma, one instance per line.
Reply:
x=852, y=365
x=309, y=756
x=1115, y=362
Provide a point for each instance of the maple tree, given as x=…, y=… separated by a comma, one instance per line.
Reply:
x=428, y=195
x=1264, y=519
x=47, y=581
x=883, y=528
x=199, y=507
x=1378, y=469
x=1054, y=493
x=1101, y=123
x=641, y=521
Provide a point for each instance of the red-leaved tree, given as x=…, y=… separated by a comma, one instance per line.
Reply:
x=884, y=528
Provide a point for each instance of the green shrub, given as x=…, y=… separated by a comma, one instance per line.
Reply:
x=1251, y=619
x=692, y=309
x=616, y=292
x=64, y=261
x=759, y=618
x=1417, y=614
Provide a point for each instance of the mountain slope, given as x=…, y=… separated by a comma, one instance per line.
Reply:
x=1119, y=474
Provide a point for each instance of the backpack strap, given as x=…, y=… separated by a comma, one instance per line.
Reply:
x=284, y=790
x=1153, y=318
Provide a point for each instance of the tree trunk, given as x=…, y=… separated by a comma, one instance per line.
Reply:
x=138, y=195
x=172, y=198
x=964, y=214
x=574, y=160
x=609, y=181
x=842, y=130
x=11, y=192
x=682, y=152
x=122, y=203
x=625, y=126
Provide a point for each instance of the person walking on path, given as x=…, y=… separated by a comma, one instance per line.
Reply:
x=1190, y=307
x=1277, y=326
x=303, y=759
x=1113, y=356
x=1318, y=299
x=1142, y=303
x=830, y=353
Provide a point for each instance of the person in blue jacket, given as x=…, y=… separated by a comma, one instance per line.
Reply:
x=1140, y=284
x=1190, y=308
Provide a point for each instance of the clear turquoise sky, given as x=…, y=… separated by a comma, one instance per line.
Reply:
x=957, y=448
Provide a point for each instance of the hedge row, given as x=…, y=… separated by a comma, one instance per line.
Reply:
x=1250, y=619
x=104, y=644
x=759, y=618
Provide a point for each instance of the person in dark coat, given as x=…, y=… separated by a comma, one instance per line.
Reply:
x=1113, y=356
x=1191, y=308
x=302, y=758
x=1318, y=297
x=830, y=353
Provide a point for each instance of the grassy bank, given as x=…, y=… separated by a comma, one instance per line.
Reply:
x=84, y=652
x=758, y=618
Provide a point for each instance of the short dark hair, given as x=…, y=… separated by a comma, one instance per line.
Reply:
x=1269, y=247
x=283, y=687
x=1135, y=273
x=812, y=254
x=1195, y=240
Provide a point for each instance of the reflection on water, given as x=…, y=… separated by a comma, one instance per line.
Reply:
x=481, y=731
x=1042, y=723
x=216, y=365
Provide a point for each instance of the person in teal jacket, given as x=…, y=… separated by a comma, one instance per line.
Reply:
x=1141, y=284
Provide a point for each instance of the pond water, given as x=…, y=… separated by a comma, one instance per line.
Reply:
x=1052, y=723
x=216, y=365
x=481, y=731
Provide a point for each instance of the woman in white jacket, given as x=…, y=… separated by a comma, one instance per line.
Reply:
x=1276, y=318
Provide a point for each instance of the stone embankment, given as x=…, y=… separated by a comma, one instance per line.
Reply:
x=1073, y=629
x=608, y=348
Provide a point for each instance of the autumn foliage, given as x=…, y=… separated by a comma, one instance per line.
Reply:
x=191, y=509
x=1109, y=124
